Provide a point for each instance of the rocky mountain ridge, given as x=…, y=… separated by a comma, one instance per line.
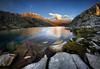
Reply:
x=16, y=21
x=88, y=19
x=26, y=20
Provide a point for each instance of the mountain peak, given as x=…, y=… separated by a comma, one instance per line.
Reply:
x=94, y=10
x=32, y=15
x=98, y=8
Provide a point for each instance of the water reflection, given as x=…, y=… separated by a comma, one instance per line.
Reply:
x=37, y=35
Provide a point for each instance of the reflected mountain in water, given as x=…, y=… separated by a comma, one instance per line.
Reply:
x=31, y=43
x=37, y=35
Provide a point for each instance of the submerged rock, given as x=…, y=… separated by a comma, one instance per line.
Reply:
x=66, y=61
x=39, y=65
x=27, y=53
x=57, y=46
x=6, y=59
x=94, y=60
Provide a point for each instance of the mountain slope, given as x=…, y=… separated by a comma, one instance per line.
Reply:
x=36, y=18
x=16, y=21
x=88, y=19
x=53, y=22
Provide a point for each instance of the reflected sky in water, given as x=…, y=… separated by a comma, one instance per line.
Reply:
x=36, y=34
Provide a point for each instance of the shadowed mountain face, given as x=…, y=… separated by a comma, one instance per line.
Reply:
x=88, y=19
x=16, y=21
x=26, y=20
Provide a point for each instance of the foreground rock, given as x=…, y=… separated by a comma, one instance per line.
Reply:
x=39, y=65
x=95, y=45
x=79, y=63
x=94, y=60
x=66, y=61
x=6, y=59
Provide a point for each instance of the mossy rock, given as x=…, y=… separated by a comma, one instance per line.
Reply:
x=73, y=47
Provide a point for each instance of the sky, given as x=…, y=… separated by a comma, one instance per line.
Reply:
x=72, y=8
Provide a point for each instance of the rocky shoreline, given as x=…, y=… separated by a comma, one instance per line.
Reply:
x=75, y=54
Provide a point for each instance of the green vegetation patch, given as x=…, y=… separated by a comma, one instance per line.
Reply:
x=74, y=47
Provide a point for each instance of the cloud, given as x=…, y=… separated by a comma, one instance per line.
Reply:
x=59, y=16
x=66, y=16
x=56, y=16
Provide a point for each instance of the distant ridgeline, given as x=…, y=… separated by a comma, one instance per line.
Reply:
x=88, y=19
x=16, y=21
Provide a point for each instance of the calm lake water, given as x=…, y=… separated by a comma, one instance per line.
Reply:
x=40, y=35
